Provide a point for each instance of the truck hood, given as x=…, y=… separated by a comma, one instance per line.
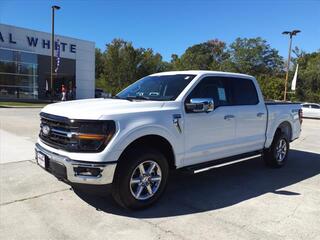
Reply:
x=96, y=108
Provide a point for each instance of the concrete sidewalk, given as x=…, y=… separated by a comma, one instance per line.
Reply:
x=14, y=148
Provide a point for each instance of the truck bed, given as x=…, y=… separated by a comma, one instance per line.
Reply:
x=279, y=112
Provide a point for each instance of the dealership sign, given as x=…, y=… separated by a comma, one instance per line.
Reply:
x=36, y=42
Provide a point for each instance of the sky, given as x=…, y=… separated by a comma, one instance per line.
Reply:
x=172, y=26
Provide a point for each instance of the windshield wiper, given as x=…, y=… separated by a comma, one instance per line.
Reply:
x=117, y=97
x=137, y=97
x=130, y=98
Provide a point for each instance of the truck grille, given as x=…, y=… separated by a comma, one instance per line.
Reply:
x=75, y=135
x=57, y=131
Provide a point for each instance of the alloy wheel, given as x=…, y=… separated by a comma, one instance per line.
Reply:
x=281, y=150
x=145, y=180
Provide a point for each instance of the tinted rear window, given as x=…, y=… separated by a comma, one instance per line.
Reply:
x=243, y=92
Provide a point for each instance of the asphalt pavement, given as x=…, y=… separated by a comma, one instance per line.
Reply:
x=241, y=201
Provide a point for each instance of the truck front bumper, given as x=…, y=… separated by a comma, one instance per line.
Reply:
x=73, y=171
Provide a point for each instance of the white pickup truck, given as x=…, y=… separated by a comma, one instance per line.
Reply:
x=192, y=120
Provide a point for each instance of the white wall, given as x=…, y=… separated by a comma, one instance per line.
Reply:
x=84, y=53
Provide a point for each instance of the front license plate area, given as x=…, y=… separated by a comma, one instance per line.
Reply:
x=41, y=160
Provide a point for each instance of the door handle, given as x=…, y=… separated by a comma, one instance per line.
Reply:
x=228, y=117
x=260, y=114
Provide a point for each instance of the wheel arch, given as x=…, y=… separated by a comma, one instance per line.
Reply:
x=156, y=142
x=285, y=128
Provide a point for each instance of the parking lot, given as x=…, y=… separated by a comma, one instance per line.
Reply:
x=241, y=201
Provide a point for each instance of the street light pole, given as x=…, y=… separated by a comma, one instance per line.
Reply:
x=292, y=33
x=52, y=49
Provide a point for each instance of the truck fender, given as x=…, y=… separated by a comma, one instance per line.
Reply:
x=143, y=131
x=285, y=127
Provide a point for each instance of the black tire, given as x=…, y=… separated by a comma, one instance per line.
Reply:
x=121, y=187
x=271, y=157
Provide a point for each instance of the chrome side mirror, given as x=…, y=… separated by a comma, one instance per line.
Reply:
x=198, y=105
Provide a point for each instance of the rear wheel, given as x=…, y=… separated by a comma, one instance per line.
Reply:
x=140, y=178
x=276, y=156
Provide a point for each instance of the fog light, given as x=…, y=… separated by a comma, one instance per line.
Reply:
x=87, y=171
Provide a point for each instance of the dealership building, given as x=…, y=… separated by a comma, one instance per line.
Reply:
x=25, y=65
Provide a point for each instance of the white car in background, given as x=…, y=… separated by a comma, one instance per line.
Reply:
x=310, y=110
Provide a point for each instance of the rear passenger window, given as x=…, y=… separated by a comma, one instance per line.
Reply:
x=243, y=92
x=212, y=87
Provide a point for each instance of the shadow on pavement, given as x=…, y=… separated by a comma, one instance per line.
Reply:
x=217, y=188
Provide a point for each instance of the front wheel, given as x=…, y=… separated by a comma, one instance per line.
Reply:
x=276, y=156
x=140, y=178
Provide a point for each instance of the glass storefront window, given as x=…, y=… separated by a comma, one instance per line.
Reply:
x=18, y=68
x=27, y=68
x=6, y=55
x=15, y=86
x=18, y=74
x=26, y=75
x=27, y=57
x=7, y=67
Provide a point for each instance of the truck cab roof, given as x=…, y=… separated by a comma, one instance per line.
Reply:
x=203, y=72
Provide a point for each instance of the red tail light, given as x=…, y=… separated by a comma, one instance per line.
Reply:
x=300, y=116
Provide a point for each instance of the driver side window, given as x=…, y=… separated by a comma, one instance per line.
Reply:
x=212, y=87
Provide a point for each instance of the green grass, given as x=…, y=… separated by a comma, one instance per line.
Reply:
x=21, y=104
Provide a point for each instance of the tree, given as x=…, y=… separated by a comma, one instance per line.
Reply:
x=204, y=56
x=150, y=63
x=308, y=82
x=123, y=64
x=272, y=87
x=99, y=63
x=255, y=56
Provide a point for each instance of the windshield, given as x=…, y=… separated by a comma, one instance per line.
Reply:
x=159, y=88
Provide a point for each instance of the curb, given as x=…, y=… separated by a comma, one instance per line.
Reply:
x=6, y=106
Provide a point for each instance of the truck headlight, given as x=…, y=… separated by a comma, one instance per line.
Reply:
x=93, y=136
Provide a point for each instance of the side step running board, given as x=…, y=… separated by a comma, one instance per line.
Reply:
x=221, y=162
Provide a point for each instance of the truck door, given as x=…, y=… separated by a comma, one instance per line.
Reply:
x=251, y=115
x=210, y=136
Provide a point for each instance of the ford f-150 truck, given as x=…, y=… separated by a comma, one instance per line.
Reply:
x=191, y=120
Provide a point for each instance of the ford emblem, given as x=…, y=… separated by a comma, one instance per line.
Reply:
x=45, y=130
